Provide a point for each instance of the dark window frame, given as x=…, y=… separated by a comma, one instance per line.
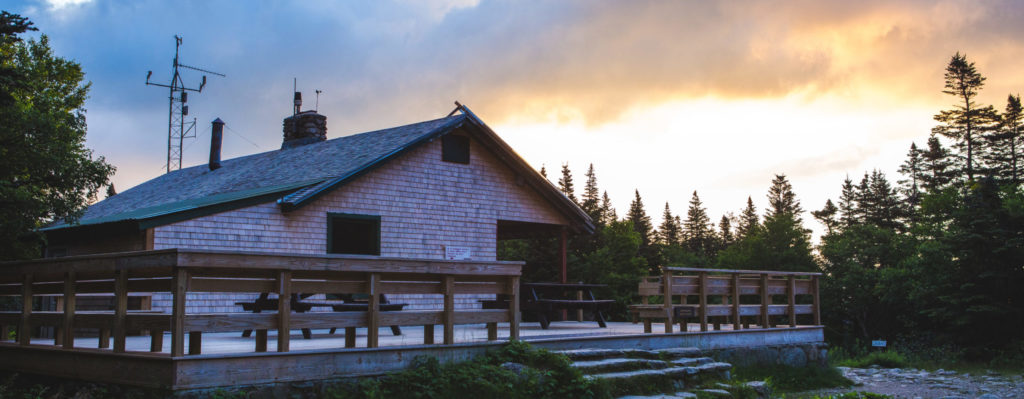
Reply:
x=455, y=148
x=333, y=216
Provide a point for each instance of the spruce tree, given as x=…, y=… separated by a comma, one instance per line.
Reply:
x=565, y=184
x=848, y=213
x=827, y=217
x=938, y=171
x=782, y=201
x=1004, y=142
x=748, y=221
x=543, y=172
x=697, y=232
x=641, y=222
x=669, y=231
x=592, y=197
x=607, y=211
x=1013, y=118
x=725, y=231
x=968, y=119
x=912, y=170
x=111, y=191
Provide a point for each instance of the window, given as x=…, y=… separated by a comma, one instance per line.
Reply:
x=455, y=149
x=353, y=234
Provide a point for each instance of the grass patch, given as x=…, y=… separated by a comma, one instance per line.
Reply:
x=543, y=374
x=793, y=379
x=887, y=359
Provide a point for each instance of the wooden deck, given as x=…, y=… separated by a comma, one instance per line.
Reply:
x=192, y=351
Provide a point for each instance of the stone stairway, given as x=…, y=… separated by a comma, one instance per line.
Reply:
x=669, y=373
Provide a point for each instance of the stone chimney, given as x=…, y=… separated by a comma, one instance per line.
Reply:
x=304, y=128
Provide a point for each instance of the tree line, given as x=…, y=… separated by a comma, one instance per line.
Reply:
x=936, y=257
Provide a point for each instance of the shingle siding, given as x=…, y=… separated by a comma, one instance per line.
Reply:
x=424, y=204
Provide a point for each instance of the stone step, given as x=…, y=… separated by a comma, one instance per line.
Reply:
x=593, y=354
x=675, y=372
x=618, y=364
x=677, y=395
x=693, y=361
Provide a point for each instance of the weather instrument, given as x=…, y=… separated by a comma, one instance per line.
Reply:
x=178, y=128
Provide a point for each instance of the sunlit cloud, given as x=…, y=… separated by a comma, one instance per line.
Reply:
x=664, y=97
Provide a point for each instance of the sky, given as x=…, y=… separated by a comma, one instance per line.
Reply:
x=664, y=97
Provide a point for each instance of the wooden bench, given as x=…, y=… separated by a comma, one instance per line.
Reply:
x=677, y=284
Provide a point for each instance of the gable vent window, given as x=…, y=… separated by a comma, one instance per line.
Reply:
x=455, y=149
x=353, y=234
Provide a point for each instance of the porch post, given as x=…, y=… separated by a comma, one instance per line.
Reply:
x=563, y=250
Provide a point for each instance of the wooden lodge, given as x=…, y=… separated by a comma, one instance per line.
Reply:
x=442, y=189
x=150, y=284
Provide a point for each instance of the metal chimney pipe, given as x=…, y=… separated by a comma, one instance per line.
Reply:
x=215, y=140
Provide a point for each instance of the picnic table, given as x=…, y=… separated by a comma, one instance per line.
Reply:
x=543, y=299
x=264, y=302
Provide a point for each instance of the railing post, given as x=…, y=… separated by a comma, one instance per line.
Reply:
x=25, y=328
x=666, y=287
x=68, y=326
x=284, y=309
x=736, y=325
x=449, y=310
x=816, y=299
x=791, y=293
x=180, y=287
x=120, y=309
x=765, y=301
x=513, y=308
x=373, y=307
x=703, y=301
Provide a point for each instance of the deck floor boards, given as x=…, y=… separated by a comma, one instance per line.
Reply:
x=233, y=342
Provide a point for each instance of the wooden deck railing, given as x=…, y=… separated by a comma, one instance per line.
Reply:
x=730, y=286
x=180, y=272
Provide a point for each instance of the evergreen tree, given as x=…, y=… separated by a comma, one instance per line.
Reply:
x=543, y=171
x=1004, y=143
x=698, y=235
x=827, y=217
x=592, y=198
x=913, y=170
x=782, y=201
x=725, y=234
x=608, y=214
x=565, y=184
x=669, y=231
x=749, y=221
x=878, y=203
x=637, y=216
x=111, y=191
x=1013, y=118
x=641, y=222
x=968, y=119
x=848, y=212
x=938, y=170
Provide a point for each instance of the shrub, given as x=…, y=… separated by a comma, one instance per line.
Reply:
x=793, y=379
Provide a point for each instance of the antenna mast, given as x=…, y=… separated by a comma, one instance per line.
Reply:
x=178, y=129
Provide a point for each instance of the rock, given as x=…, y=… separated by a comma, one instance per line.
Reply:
x=716, y=393
x=793, y=357
x=686, y=395
x=988, y=396
x=763, y=390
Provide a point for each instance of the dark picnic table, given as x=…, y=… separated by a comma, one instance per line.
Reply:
x=543, y=299
x=350, y=304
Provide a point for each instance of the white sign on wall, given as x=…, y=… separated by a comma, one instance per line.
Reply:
x=456, y=253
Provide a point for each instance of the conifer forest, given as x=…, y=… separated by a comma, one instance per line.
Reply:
x=933, y=257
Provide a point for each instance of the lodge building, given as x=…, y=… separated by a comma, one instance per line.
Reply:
x=448, y=188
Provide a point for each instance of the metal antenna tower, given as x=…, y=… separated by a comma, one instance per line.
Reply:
x=178, y=129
